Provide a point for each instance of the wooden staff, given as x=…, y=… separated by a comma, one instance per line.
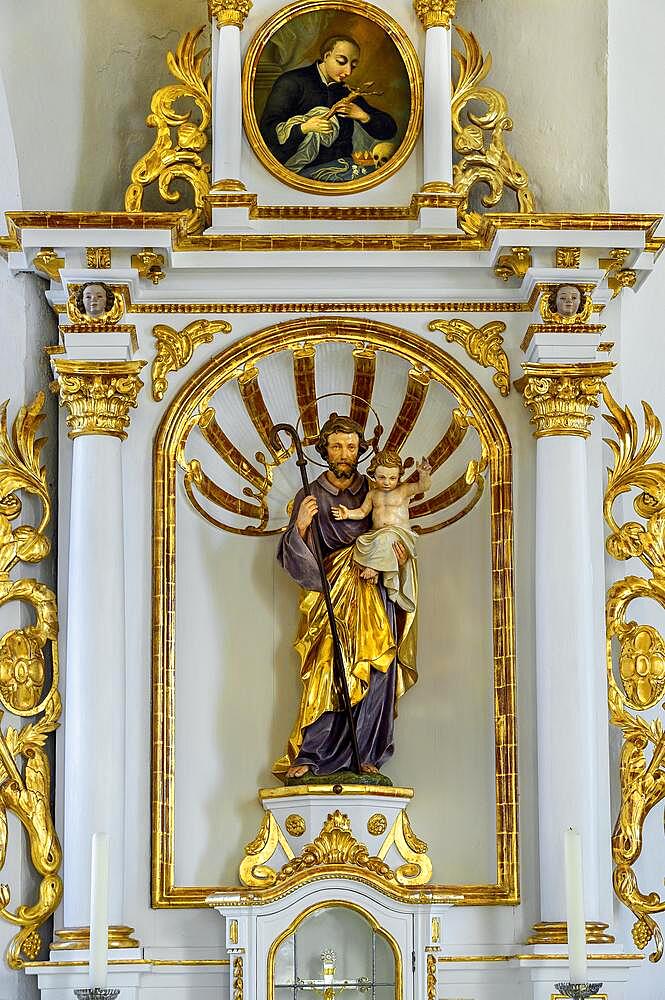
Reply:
x=338, y=660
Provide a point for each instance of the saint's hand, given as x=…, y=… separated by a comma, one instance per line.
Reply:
x=351, y=110
x=318, y=123
x=340, y=513
x=401, y=552
x=306, y=512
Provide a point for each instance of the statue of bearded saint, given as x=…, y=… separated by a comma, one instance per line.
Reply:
x=377, y=636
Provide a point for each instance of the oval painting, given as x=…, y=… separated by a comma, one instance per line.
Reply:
x=332, y=96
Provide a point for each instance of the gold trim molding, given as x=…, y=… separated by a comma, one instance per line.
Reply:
x=435, y=13
x=483, y=344
x=182, y=239
x=97, y=394
x=556, y=932
x=176, y=347
x=28, y=655
x=362, y=333
x=78, y=938
x=560, y=396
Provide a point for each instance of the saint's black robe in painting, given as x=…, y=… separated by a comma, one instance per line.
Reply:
x=296, y=93
x=378, y=643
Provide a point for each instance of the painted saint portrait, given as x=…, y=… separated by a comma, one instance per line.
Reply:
x=332, y=96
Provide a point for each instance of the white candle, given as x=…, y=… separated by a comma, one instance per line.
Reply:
x=575, y=907
x=99, y=910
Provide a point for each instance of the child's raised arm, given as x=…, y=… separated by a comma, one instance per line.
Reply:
x=424, y=481
x=342, y=513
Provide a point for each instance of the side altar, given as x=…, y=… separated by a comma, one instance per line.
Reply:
x=328, y=257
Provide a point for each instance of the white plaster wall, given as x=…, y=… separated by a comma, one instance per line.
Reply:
x=25, y=325
x=636, y=144
x=549, y=59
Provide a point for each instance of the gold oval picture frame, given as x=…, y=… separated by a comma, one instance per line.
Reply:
x=296, y=71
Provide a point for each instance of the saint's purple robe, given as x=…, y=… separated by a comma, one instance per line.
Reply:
x=326, y=746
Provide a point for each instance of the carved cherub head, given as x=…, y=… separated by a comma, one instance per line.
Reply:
x=567, y=300
x=94, y=299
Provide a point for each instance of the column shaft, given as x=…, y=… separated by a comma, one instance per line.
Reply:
x=437, y=123
x=227, y=105
x=564, y=661
x=95, y=674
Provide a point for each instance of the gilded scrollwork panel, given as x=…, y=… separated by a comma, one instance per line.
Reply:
x=636, y=675
x=28, y=680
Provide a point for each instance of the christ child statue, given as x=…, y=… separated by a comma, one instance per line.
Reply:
x=388, y=502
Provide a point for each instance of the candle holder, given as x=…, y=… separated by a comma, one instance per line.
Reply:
x=96, y=993
x=578, y=991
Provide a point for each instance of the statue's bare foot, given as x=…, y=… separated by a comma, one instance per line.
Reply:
x=297, y=771
x=369, y=769
x=369, y=574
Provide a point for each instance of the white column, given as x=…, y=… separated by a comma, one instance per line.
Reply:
x=227, y=105
x=227, y=17
x=437, y=119
x=564, y=663
x=98, y=395
x=560, y=395
x=95, y=675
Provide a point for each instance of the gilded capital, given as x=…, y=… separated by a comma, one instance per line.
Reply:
x=560, y=396
x=435, y=13
x=231, y=12
x=98, y=394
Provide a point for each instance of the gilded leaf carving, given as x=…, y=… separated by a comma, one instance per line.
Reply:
x=479, y=137
x=181, y=136
x=483, y=344
x=639, y=682
x=25, y=789
x=176, y=347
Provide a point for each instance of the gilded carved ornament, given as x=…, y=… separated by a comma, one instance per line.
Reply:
x=238, y=978
x=97, y=394
x=618, y=276
x=636, y=678
x=479, y=138
x=514, y=264
x=229, y=12
x=567, y=257
x=431, y=977
x=560, y=396
x=98, y=258
x=335, y=849
x=483, y=344
x=435, y=13
x=48, y=263
x=149, y=265
x=176, y=347
x=180, y=138
x=26, y=690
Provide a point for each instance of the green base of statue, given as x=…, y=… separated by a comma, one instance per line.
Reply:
x=340, y=778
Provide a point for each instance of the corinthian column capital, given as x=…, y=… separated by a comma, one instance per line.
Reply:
x=435, y=13
x=231, y=12
x=98, y=394
x=560, y=396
